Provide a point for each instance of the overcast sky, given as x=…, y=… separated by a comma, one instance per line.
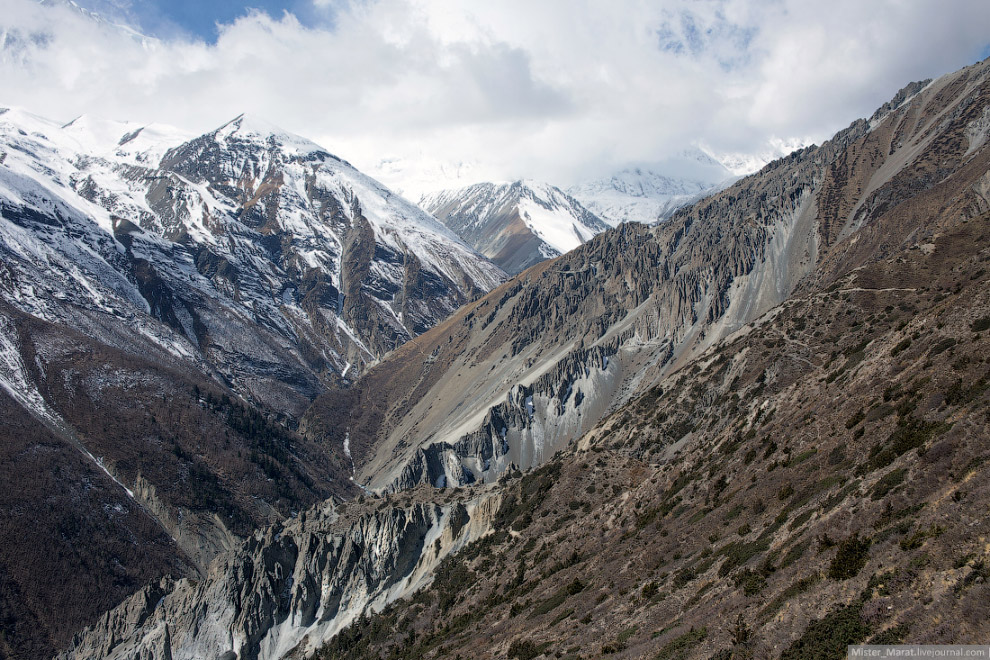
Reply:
x=558, y=90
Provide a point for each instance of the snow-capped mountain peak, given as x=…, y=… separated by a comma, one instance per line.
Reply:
x=250, y=128
x=92, y=137
x=27, y=123
x=743, y=163
x=646, y=192
x=515, y=224
x=98, y=136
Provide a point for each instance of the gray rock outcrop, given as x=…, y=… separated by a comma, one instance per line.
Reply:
x=291, y=586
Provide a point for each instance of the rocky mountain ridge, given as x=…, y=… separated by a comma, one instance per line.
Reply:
x=816, y=481
x=656, y=297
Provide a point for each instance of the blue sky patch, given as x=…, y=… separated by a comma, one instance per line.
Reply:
x=199, y=18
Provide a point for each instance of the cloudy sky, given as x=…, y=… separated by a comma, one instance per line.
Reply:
x=558, y=90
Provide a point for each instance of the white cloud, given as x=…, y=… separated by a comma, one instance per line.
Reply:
x=557, y=89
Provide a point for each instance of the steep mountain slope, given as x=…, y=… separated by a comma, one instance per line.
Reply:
x=53, y=580
x=126, y=465
x=168, y=307
x=813, y=478
x=652, y=191
x=533, y=365
x=515, y=224
x=818, y=481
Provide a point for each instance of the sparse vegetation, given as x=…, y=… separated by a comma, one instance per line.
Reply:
x=752, y=582
x=794, y=590
x=813, y=459
x=910, y=433
x=901, y=346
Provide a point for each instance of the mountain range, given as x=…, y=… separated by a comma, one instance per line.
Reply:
x=318, y=270
x=274, y=411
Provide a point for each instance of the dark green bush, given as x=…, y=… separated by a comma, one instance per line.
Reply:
x=557, y=599
x=887, y=483
x=738, y=553
x=802, y=457
x=960, y=393
x=942, y=346
x=796, y=552
x=524, y=649
x=626, y=635
x=856, y=419
x=679, y=647
x=895, y=635
x=827, y=638
x=801, y=519
x=901, y=346
x=452, y=579
x=850, y=558
x=683, y=577
x=910, y=433
x=918, y=539
x=752, y=582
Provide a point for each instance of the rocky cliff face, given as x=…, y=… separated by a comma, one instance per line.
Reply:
x=516, y=224
x=290, y=587
x=533, y=423
x=126, y=468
